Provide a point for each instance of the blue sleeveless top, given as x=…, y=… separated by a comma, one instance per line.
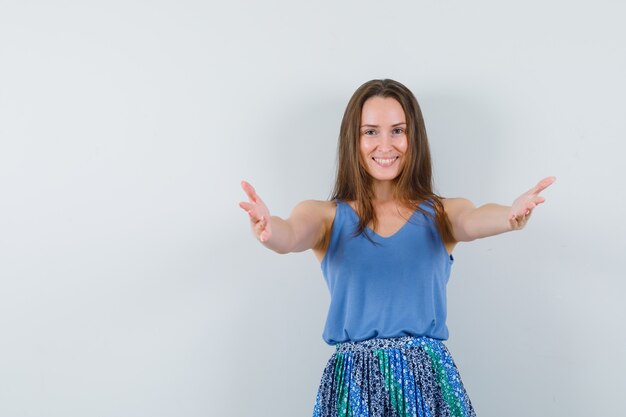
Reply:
x=396, y=287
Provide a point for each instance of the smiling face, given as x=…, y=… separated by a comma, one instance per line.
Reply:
x=383, y=141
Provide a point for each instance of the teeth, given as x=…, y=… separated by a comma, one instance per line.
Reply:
x=385, y=161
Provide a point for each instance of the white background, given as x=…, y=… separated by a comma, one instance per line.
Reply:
x=130, y=284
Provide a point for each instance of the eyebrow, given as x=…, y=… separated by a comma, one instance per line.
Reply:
x=394, y=125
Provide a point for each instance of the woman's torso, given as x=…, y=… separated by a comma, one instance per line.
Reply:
x=385, y=283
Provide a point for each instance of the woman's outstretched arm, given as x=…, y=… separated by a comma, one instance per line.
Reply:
x=470, y=222
x=304, y=229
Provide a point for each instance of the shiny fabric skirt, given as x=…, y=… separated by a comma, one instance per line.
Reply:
x=405, y=376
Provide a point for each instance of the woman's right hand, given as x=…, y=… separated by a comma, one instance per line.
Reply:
x=258, y=212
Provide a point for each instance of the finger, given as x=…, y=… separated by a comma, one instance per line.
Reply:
x=263, y=226
x=255, y=217
x=537, y=201
x=252, y=211
x=520, y=221
x=529, y=206
x=245, y=205
x=266, y=233
x=523, y=219
x=250, y=191
x=258, y=226
x=523, y=210
x=249, y=208
x=543, y=184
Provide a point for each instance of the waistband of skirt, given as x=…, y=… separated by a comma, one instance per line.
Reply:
x=390, y=343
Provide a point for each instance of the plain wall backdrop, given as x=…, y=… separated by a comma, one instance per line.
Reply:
x=130, y=284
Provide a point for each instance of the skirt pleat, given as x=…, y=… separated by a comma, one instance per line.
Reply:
x=400, y=377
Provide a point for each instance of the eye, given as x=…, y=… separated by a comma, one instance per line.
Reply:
x=369, y=132
x=398, y=131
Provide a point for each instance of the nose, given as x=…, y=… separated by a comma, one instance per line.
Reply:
x=385, y=143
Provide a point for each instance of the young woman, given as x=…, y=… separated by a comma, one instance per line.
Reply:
x=385, y=243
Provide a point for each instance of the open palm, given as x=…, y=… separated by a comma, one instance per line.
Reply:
x=524, y=205
x=258, y=212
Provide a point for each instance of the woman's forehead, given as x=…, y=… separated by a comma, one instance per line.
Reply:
x=378, y=111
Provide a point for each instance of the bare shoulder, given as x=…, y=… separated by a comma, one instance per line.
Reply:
x=454, y=206
x=317, y=208
x=316, y=213
x=321, y=213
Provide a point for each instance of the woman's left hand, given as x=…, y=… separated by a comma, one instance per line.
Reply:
x=523, y=205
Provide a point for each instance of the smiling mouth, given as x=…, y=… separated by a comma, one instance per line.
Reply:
x=385, y=162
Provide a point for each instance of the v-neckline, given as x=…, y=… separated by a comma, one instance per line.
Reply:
x=394, y=233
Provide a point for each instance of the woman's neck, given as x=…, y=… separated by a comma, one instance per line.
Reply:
x=383, y=192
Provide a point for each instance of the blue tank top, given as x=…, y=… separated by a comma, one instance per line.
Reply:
x=396, y=287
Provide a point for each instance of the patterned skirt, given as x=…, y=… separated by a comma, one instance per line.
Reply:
x=405, y=376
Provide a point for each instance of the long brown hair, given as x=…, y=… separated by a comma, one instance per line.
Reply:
x=414, y=184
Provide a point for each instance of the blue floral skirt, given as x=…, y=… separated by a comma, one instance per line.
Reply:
x=405, y=376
